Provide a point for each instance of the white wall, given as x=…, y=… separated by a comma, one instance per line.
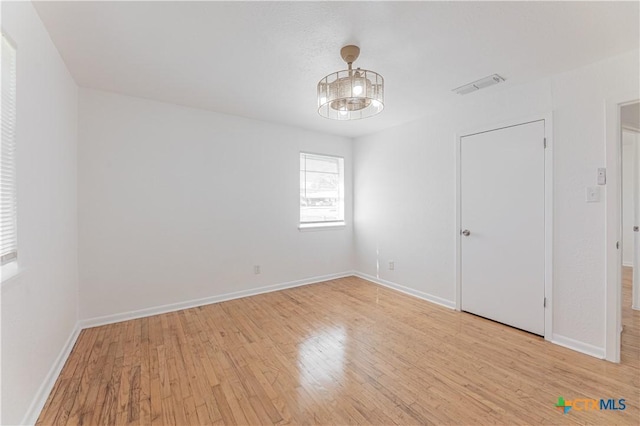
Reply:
x=178, y=204
x=40, y=305
x=404, y=186
x=628, y=187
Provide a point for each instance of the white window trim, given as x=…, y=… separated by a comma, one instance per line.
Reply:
x=9, y=260
x=322, y=226
x=326, y=225
x=10, y=271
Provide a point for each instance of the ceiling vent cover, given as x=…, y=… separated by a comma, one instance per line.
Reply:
x=479, y=84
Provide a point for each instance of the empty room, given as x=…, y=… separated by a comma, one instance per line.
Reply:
x=251, y=213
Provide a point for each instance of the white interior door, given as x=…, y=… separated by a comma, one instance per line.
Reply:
x=502, y=221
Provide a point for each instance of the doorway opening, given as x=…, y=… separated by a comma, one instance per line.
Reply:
x=629, y=280
x=614, y=306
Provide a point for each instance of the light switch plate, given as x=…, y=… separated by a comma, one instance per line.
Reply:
x=593, y=194
x=602, y=176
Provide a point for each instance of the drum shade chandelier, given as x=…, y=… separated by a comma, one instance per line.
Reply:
x=350, y=94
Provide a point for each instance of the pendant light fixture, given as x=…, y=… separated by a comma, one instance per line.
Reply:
x=350, y=94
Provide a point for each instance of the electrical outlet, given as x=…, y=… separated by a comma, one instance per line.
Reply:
x=392, y=265
x=256, y=269
x=593, y=194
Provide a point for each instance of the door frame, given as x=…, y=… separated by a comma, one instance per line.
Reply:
x=635, y=283
x=548, y=209
x=613, y=223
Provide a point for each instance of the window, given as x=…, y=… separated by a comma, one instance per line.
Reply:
x=8, y=209
x=321, y=190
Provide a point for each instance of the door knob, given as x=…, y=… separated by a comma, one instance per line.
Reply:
x=636, y=229
x=466, y=232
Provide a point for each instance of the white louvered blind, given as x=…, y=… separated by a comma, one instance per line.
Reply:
x=8, y=207
x=321, y=189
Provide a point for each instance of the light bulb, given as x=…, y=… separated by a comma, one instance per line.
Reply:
x=357, y=89
x=343, y=112
x=375, y=103
x=323, y=100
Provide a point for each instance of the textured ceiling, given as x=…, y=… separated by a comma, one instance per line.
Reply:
x=263, y=59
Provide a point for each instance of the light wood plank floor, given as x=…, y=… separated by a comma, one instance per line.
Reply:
x=344, y=351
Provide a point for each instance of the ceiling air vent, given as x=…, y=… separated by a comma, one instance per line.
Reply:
x=479, y=84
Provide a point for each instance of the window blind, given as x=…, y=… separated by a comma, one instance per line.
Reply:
x=8, y=205
x=321, y=188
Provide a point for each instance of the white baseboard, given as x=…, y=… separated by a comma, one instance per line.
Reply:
x=43, y=392
x=566, y=342
x=411, y=292
x=45, y=389
x=635, y=307
x=40, y=399
x=147, y=312
x=577, y=345
x=628, y=264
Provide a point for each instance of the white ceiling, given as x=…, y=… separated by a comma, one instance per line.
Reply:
x=263, y=59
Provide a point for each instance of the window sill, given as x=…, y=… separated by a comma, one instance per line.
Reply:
x=321, y=226
x=9, y=272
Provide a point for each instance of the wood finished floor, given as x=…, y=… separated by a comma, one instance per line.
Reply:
x=344, y=351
